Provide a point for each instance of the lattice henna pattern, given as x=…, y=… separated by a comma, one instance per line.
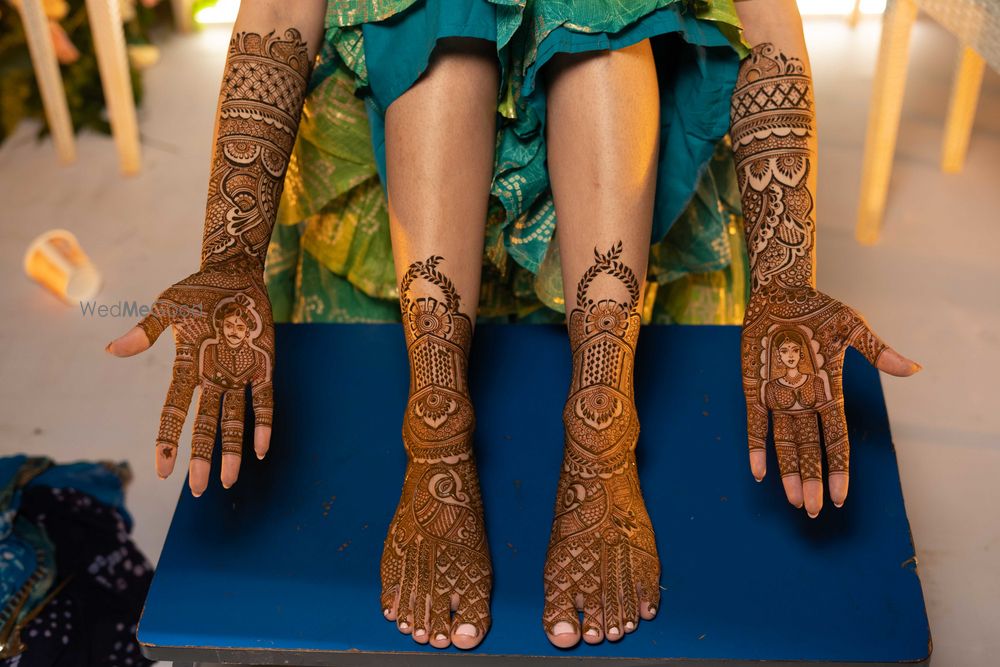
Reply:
x=772, y=125
x=221, y=315
x=262, y=95
x=602, y=551
x=436, y=546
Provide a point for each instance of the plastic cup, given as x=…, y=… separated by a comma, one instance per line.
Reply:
x=56, y=261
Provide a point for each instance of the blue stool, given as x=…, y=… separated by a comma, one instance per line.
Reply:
x=283, y=567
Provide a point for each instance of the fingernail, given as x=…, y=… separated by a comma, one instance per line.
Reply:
x=759, y=479
x=260, y=457
x=629, y=625
x=917, y=367
x=227, y=486
x=811, y=515
x=838, y=505
x=107, y=348
x=196, y=494
x=466, y=629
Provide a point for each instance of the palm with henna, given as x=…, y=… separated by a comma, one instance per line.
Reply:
x=794, y=337
x=221, y=315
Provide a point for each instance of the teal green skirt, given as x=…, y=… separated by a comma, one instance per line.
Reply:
x=697, y=51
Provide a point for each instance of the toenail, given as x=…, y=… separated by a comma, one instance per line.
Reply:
x=592, y=632
x=562, y=628
x=466, y=629
x=404, y=625
x=440, y=637
x=385, y=612
x=629, y=625
x=612, y=631
x=652, y=610
x=419, y=633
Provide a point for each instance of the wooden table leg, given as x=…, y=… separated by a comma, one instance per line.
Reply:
x=112, y=61
x=962, y=110
x=883, y=117
x=43, y=60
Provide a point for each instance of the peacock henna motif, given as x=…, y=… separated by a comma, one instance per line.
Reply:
x=772, y=126
x=261, y=100
x=436, y=558
x=602, y=552
x=794, y=342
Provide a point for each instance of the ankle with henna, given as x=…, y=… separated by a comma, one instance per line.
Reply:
x=602, y=557
x=435, y=560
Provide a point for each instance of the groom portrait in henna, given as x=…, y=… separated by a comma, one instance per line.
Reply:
x=602, y=161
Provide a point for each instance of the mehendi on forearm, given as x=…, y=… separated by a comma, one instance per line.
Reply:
x=261, y=100
x=772, y=127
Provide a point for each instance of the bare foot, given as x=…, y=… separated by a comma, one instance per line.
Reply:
x=436, y=560
x=602, y=553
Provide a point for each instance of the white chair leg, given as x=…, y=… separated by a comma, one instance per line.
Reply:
x=962, y=110
x=112, y=61
x=883, y=117
x=50, y=84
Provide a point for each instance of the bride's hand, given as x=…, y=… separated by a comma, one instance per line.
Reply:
x=224, y=337
x=793, y=346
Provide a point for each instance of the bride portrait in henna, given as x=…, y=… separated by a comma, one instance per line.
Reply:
x=486, y=123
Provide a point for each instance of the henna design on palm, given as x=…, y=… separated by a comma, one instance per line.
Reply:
x=224, y=337
x=436, y=559
x=602, y=556
x=221, y=315
x=794, y=337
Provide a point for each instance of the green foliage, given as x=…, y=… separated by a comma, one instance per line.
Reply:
x=19, y=94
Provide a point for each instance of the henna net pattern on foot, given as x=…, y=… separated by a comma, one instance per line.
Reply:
x=436, y=557
x=602, y=552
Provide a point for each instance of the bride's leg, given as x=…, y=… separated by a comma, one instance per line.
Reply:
x=440, y=138
x=602, y=160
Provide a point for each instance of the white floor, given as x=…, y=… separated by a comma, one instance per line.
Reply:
x=930, y=288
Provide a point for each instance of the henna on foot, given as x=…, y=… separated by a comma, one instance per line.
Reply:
x=436, y=560
x=602, y=557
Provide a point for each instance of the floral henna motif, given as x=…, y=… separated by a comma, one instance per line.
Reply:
x=262, y=95
x=794, y=342
x=225, y=341
x=772, y=125
x=221, y=315
x=436, y=557
x=602, y=553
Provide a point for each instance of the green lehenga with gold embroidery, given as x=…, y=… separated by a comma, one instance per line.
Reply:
x=330, y=258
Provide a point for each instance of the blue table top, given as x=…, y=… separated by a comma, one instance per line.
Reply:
x=283, y=567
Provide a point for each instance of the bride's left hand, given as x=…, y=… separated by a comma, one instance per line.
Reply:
x=793, y=346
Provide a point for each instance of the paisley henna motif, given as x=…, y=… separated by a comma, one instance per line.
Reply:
x=436, y=549
x=602, y=553
x=772, y=125
x=221, y=315
x=262, y=95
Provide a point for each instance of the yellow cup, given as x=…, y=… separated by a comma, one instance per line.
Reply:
x=56, y=260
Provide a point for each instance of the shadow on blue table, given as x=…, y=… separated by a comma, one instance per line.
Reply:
x=283, y=568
